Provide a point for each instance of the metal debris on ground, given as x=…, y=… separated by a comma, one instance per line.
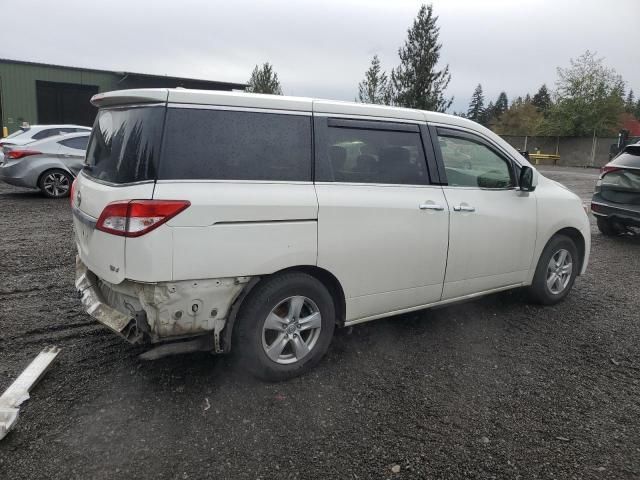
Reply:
x=19, y=390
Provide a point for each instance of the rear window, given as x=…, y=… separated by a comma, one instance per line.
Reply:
x=234, y=145
x=630, y=157
x=125, y=143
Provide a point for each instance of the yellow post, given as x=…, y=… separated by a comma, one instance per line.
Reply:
x=5, y=132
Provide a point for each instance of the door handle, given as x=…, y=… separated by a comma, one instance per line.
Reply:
x=431, y=206
x=464, y=208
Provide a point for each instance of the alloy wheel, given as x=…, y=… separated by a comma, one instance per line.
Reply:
x=56, y=184
x=291, y=330
x=559, y=271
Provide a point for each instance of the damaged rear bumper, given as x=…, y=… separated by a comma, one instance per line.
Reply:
x=158, y=312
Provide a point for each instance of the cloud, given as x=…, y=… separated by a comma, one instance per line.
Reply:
x=322, y=48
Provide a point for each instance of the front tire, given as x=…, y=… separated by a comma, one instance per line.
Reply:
x=285, y=326
x=556, y=271
x=55, y=183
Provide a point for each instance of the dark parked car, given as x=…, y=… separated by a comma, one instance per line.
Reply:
x=616, y=200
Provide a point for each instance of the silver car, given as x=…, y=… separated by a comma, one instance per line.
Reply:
x=50, y=164
x=31, y=133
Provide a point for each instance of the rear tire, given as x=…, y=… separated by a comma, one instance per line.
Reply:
x=556, y=271
x=607, y=227
x=55, y=183
x=285, y=326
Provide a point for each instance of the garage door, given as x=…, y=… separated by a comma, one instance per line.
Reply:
x=65, y=103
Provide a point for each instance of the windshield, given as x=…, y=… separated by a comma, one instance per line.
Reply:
x=124, y=144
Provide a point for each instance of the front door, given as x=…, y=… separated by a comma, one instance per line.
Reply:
x=382, y=227
x=493, y=224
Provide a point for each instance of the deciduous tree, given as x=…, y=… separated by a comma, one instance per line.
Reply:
x=589, y=99
x=521, y=118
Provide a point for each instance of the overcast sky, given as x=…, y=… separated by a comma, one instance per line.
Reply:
x=323, y=48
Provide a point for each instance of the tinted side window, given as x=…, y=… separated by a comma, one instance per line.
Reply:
x=473, y=164
x=235, y=145
x=375, y=156
x=50, y=132
x=79, y=143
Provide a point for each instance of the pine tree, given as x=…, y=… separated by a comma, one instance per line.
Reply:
x=630, y=104
x=502, y=104
x=375, y=87
x=264, y=80
x=542, y=99
x=416, y=81
x=489, y=114
x=476, y=106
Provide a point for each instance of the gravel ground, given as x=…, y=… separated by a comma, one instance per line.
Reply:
x=494, y=388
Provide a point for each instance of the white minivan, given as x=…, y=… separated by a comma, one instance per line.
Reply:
x=217, y=218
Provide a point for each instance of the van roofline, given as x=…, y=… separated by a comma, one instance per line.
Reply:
x=274, y=102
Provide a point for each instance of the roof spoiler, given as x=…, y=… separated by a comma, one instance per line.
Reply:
x=125, y=97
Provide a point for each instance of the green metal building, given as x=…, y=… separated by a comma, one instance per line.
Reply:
x=38, y=93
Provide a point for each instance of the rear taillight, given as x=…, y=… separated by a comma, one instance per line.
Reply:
x=132, y=218
x=72, y=195
x=17, y=154
x=608, y=169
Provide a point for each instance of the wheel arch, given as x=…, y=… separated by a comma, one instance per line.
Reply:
x=324, y=276
x=578, y=239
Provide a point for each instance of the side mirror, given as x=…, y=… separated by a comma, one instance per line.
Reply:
x=526, y=179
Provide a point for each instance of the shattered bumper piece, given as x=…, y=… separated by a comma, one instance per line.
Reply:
x=19, y=390
x=93, y=302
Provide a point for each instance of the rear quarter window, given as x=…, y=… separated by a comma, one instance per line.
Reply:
x=125, y=144
x=207, y=144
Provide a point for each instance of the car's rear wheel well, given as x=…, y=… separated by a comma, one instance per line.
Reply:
x=54, y=169
x=324, y=276
x=575, y=235
x=330, y=282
